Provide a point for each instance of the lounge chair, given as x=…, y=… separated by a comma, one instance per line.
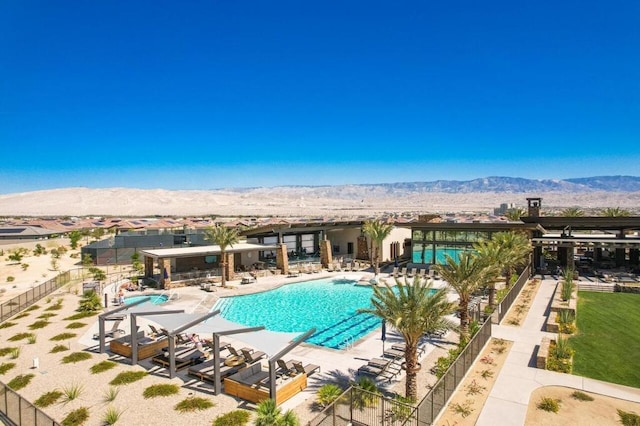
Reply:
x=157, y=333
x=205, y=371
x=252, y=357
x=403, y=271
x=393, y=353
x=402, y=347
x=422, y=273
x=307, y=369
x=395, y=272
x=412, y=272
x=183, y=359
x=286, y=367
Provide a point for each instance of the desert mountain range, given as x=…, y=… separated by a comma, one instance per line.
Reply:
x=442, y=196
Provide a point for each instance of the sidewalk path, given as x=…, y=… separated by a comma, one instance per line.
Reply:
x=509, y=399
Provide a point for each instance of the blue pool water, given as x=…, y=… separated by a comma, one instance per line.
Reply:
x=329, y=305
x=156, y=299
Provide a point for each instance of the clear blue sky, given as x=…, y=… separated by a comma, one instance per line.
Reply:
x=211, y=94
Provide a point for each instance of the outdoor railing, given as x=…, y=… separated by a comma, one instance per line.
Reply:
x=19, y=411
x=31, y=296
x=348, y=409
x=512, y=295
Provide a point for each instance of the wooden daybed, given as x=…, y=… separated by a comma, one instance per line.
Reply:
x=252, y=384
x=147, y=346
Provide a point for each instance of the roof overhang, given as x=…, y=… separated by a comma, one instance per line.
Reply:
x=205, y=250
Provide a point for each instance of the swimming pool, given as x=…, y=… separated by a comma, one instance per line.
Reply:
x=327, y=304
x=156, y=299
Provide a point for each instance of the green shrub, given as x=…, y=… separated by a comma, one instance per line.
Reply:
x=72, y=391
x=76, y=417
x=90, y=302
x=11, y=279
x=327, y=394
x=39, y=324
x=15, y=353
x=75, y=325
x=111, y=416
x=111, y=394
x=193, y=404
x=19, y=336
x=561, y=349
x=20, y=381
x=46, y=315
x=163, y=389
x=76, y=357
x=127, y=377
x=7, y=350
x=549, y=404
x=6, y=366
x=81, y=315
x=32, y=308
x=7, y=324
x=58, y=348
x=566, y=291
x=63, y=336
x=47, y=399
x=56, y=306
x=463, y=409
x=102, y=366
x=628, y=418
x=365, y=392
x=232, y=418
x=32, y=339
x=581, y=396
x=22, y=315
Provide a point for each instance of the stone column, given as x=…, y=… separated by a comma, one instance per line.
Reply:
x=326, y=257
x=148, y=266
x=165, y=273
x=282, y=258
x=229, y=268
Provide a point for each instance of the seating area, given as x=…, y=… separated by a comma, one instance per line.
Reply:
x=183, y=359
x=147, y=346
x=381, y=368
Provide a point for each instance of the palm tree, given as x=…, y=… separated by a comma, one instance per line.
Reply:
x=377, y=230
x=615, y=212
x=465, y=276
x=572, y=212
x=269, y=414
x=223, y=237
x=491, y=254
x=515, y=214
x=515, y=248
x=413, y=310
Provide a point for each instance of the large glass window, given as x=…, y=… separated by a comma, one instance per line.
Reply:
x=307, y=244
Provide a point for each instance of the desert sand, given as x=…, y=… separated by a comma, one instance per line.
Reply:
x=285, y=201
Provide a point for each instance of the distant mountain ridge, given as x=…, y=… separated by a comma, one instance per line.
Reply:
x=487, y=184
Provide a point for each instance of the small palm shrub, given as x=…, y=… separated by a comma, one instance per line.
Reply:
x=48, y=398
x=76, y=357
x=102, y=366
x=365, y=392
x=162, y=389
x=6, y=366
x=232, y=418
x=127, y=377
x=90, y=302
x=76, y=417
x=193, y=403
x=20, y=381
x=111, y=416
x=549, y=404
x=327, y=394
x=269, y=414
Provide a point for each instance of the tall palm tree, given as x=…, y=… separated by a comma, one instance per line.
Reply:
x=413, y=310
x=223, y=237
x=515, y=249
x=515, y=214
x=465, y=276
x=572, y=212
x=615, y=212
x=377, y=230
x=491, y=254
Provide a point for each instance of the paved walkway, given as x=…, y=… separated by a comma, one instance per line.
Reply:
x=509, y=398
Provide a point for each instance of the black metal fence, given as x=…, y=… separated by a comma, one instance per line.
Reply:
x=28, y=298
x=349, y=409
x=512, y=295
x=19, y=411
x=360, y=407
x=433, y=403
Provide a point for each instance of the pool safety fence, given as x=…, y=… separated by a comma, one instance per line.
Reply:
x=18, y=411
x=512, y=295
x=358, y=407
